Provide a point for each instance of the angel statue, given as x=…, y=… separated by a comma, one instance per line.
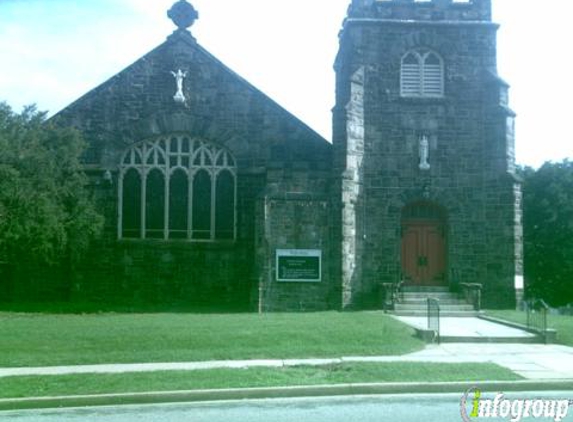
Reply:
x=179, y=97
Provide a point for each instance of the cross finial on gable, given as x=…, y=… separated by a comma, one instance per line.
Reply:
x=183, y=14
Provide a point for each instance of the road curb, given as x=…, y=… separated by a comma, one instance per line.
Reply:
x=278, y=392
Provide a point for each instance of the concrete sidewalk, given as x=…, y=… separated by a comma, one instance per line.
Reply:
x=532, y=361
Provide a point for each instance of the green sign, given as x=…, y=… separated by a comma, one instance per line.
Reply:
x=302, y=265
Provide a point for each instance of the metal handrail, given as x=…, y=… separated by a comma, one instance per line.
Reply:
x=537, y=316
x=434, y=317
x=392, y=294
x=471, y=293
x=399, y=292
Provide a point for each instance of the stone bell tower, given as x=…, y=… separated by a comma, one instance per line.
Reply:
x=424, y=152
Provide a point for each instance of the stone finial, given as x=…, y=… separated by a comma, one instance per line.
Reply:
x=183, y=14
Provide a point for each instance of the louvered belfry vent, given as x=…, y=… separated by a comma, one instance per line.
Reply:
x=422, y=75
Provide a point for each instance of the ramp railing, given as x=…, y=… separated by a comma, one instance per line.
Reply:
x=434, y=317
x=537, y=316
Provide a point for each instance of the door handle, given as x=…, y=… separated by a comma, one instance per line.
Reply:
x=422, y=261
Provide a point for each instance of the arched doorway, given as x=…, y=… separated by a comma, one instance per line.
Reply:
x=424, y=245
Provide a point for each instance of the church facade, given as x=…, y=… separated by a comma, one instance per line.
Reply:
x=214, y=195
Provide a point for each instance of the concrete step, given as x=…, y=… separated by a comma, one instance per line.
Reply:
x=422, y=289
x=414, y=302
x=436, y=295
x=424, y=301
x=443, y=314
x=424, y=307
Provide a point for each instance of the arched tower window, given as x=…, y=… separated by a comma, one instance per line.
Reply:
x=422, y=74
x=177, y=188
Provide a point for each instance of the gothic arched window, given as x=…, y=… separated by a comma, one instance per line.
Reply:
x=422, y=74
x=154, y=204
x=131, y=216
x=225, y=215
x=178, y=204
x=202, y=204
x=177, y=188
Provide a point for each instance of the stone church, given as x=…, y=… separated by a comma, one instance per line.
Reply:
x=214, y=195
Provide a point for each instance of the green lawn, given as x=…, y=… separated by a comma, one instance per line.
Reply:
x=562, y=323
x=33, y=386
x=43, y=340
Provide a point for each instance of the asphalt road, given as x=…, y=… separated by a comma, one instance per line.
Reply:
x=395, y=408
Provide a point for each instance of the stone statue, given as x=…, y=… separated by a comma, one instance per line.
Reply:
x=424, y=153
x=179, y=97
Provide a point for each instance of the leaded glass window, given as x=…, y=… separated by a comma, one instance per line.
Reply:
x=177, y=187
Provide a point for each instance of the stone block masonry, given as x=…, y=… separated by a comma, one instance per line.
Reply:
x=470, y=171
x=418, y=186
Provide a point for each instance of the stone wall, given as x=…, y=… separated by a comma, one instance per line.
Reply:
x=429, y=10
x=201, y=275
x=216, y=275
x=295, y=214
x=271, y=149
x=470, y=138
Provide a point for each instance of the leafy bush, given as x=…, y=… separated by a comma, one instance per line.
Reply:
x=46, y=214
x=548, y=232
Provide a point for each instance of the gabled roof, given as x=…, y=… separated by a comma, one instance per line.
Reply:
x=138, y=103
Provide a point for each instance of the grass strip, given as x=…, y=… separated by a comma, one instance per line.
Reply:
x=48, y=340
x=562, y=323
x=59, y=385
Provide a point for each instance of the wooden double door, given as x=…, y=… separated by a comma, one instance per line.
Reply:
x=424, y=253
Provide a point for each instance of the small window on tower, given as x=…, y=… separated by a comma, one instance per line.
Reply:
x=422, y=75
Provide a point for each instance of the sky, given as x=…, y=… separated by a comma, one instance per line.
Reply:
x=54, y=51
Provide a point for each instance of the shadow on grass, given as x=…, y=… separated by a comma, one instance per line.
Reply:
x=78, y=308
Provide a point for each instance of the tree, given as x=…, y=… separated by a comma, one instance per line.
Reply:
x=46, y=214
x=548, y=232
